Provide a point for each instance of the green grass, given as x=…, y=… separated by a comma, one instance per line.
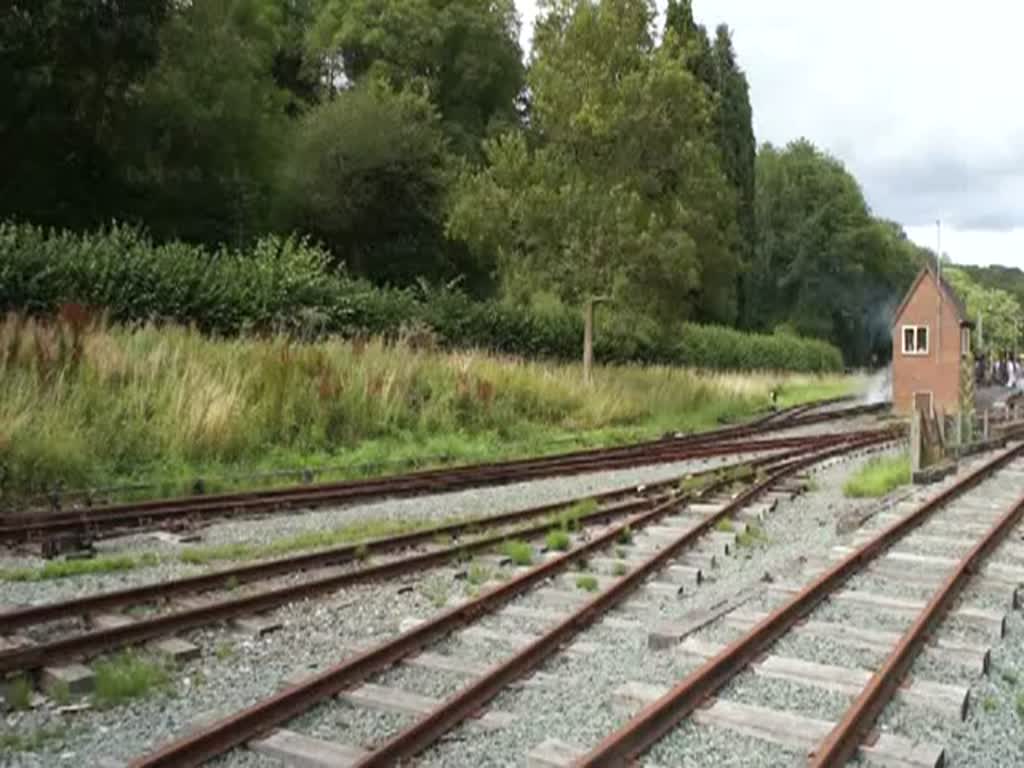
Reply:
x=63, y=569
x=569, y=518
x=348, y=534
x=478, y=574
x=1020, y=705
x=625, y=536
x=586, y=582
x=753, y=535
x=159, y=407
x=879, y=477
x=19, y=693
x=989, y=704
x=31, y=741
x=557, y=540
x=128, y=676
x=519, y=552
x=619, y=569
x=725, y=526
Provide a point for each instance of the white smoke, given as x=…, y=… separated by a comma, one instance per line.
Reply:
x=878, y=386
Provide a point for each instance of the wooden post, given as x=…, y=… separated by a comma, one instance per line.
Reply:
x=588, y=339
x=958, y=430
x=915, y=441
x=588, y=335
x=984, y=424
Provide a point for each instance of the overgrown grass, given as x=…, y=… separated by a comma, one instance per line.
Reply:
x=347, y=534
x=587, y=582
x=62, y=569
x=569, y=518
x=128, y=676
x=88, y=406
x=879, y=477
x=19, y=693
x=519, y=552
x=557, y=541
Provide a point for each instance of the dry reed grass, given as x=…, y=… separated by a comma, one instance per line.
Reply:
x=83, y=403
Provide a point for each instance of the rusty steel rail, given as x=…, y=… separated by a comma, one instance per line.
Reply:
x=661, y=716
x=113, y=519
x=202, y=745
x=841, y=744
x=91, y=642
x=36, y=614
x=411, y=741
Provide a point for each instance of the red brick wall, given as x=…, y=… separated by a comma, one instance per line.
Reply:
x=937, y=372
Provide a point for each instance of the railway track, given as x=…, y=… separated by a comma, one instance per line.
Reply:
x=319, y=572
x=69, y=529
x=654, y=552
x=939, y=578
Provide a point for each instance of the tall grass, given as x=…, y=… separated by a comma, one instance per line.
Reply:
x=879, y=477
x=85, y=404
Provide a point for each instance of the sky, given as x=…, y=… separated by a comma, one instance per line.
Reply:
x=919, y=98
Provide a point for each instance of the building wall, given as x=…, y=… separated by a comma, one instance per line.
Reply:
x=937, y=372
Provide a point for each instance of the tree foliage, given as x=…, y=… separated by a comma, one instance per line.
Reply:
x=995, y=312
x=411, y=140
x=823, y=265
x=606, y=197
x=464, y=53
x=205, y=139
x=69, y=73
x=364, y=175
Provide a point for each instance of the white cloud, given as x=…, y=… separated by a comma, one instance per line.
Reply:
x=917, y=97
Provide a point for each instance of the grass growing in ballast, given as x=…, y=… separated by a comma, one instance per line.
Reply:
x=87, y=405
x=127, y=676
x=879, y=477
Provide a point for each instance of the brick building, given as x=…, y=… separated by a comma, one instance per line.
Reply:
x=931, y=333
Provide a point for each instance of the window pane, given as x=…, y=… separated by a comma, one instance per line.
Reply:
x=922, y=339
x=908, y=339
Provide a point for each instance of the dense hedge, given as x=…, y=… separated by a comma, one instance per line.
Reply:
x=284, y=284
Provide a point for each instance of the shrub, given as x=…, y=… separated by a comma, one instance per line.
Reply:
x=285, y=284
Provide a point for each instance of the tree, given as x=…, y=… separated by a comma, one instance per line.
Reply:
x=209, y=124
x=366, y=175
x=690, y=40
x=68, y=74
x=737, y=143
x=996, y=313
x=823, y=265
x=464, y=54
x=616, y=185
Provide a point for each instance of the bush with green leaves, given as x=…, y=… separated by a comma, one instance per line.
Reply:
x=287, y=284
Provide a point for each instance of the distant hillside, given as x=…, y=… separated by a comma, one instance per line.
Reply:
x=1010, y=279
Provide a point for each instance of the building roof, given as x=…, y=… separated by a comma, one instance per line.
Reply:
x=930, y=268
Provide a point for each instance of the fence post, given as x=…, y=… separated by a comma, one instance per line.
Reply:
x=985, y=424
x=915, y=441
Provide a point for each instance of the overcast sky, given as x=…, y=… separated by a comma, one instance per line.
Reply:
x=920, y=99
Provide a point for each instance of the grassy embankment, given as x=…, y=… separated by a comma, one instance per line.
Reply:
x=165, y=406
x=879, y=477
x=161, y=407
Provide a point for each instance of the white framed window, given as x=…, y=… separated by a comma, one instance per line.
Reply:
x=915, y=339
